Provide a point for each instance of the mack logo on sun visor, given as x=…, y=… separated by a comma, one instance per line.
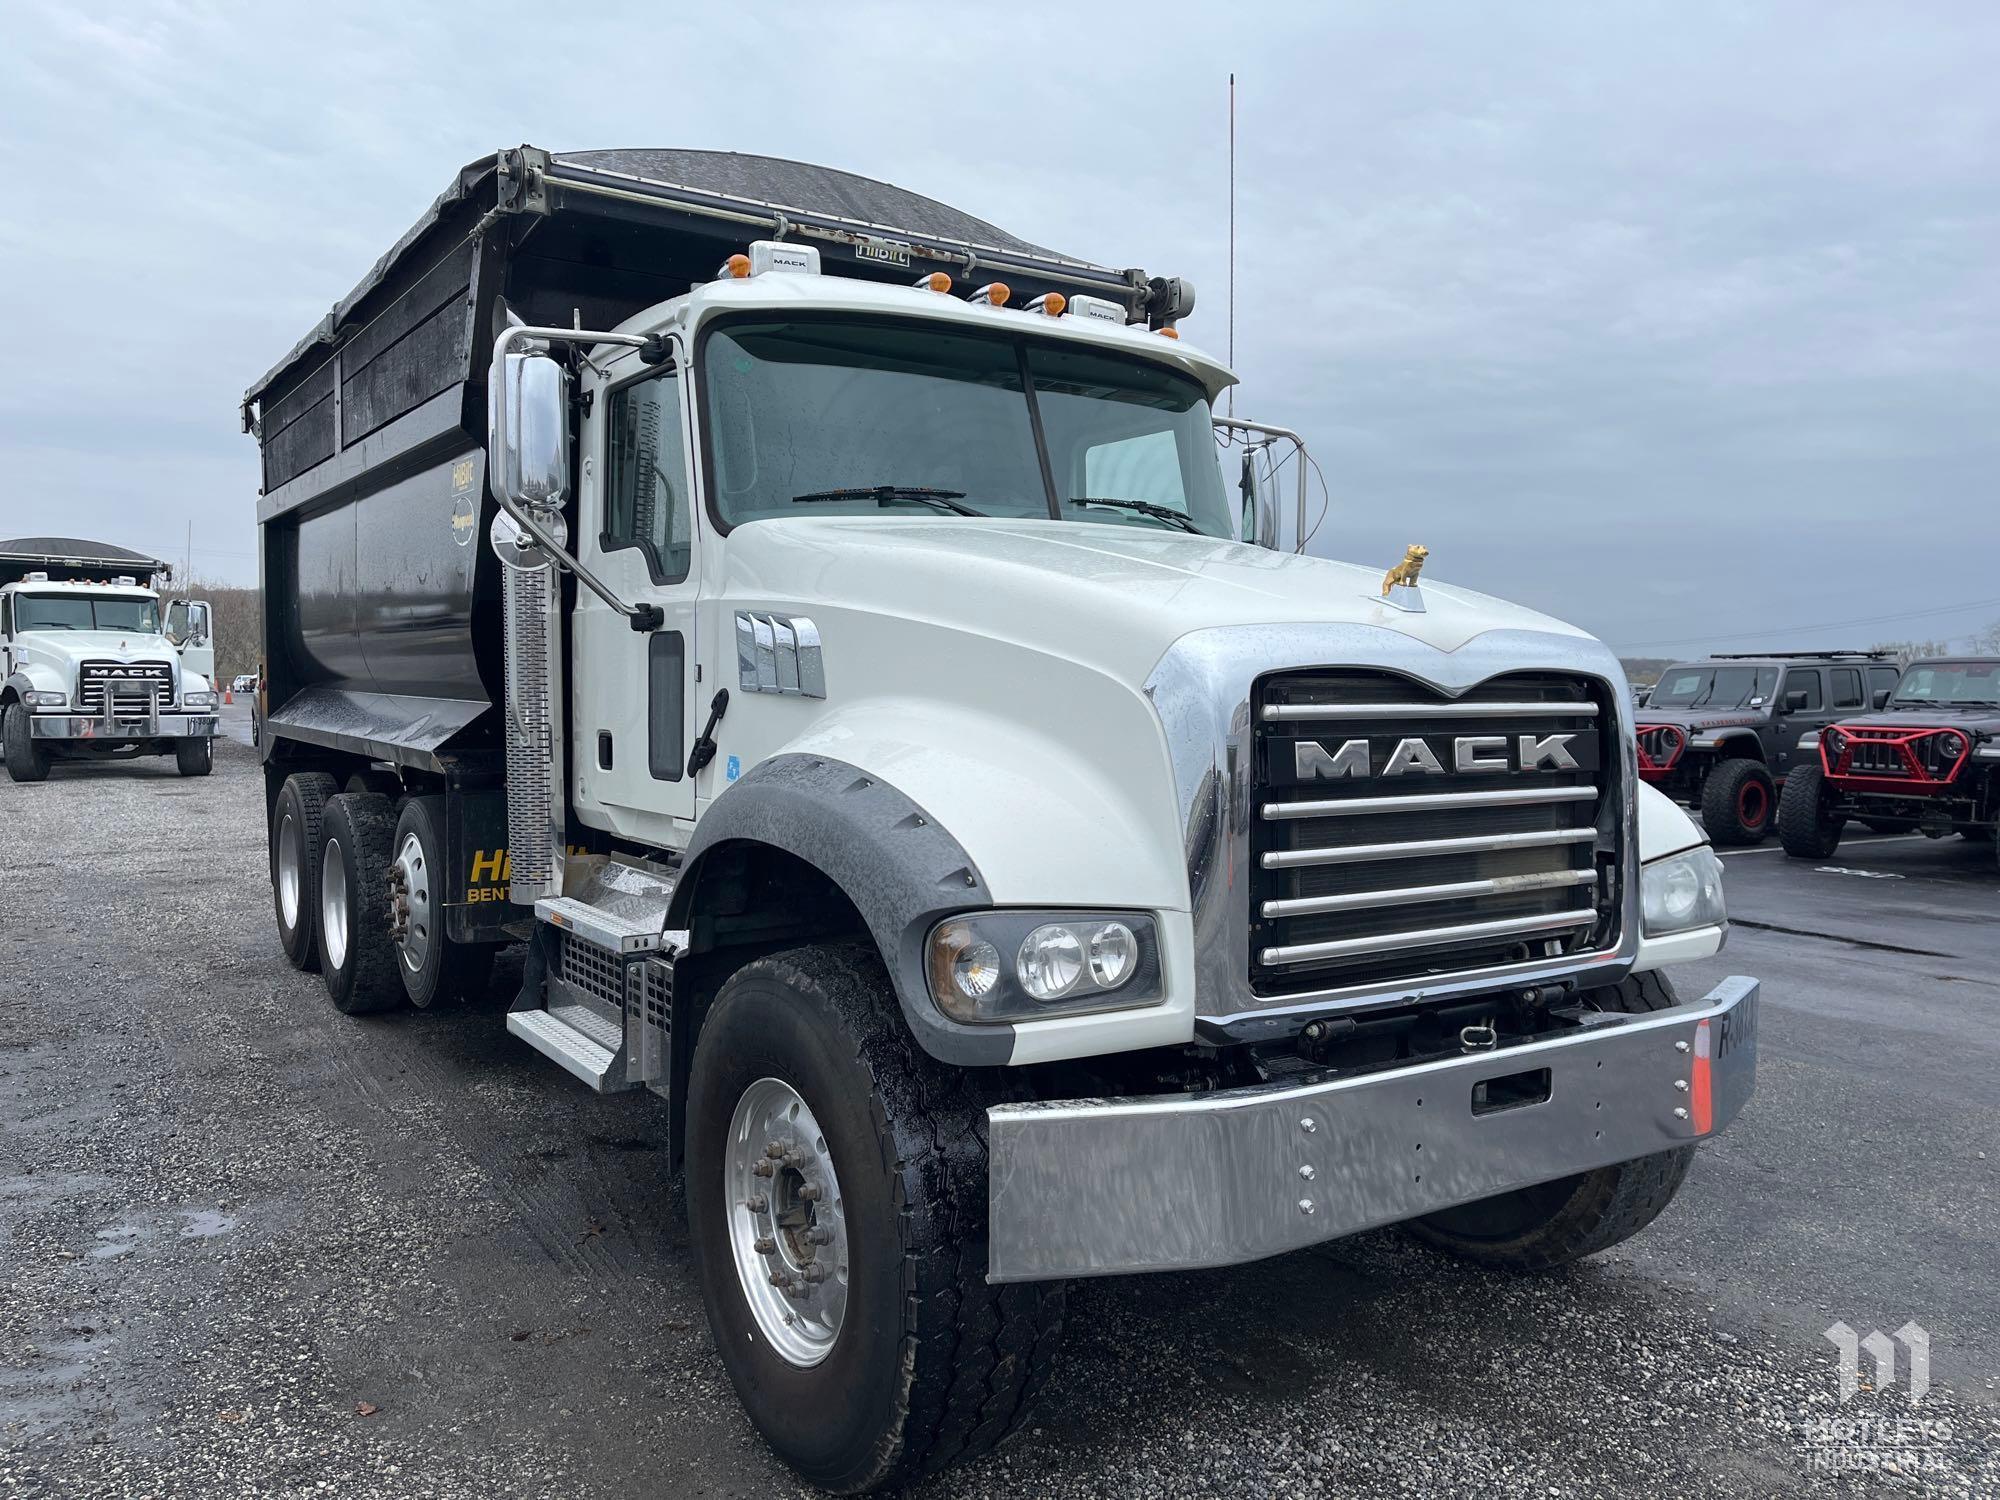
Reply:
x=1436, y=755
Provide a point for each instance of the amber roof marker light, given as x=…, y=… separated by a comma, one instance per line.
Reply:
x=933, y=281
x=993, y=294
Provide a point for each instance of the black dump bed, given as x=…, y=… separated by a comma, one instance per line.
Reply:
x=381, y=600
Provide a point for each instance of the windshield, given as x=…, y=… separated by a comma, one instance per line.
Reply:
x=83, y=612
x=1702, y=686
x=1932, y=683
x=829, y=416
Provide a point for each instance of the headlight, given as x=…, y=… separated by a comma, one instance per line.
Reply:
x=1023, y=965
x=36, y=699
x=197, y=700
x=1682, y=892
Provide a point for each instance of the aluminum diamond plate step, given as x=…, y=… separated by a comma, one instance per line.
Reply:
x=574, y=1050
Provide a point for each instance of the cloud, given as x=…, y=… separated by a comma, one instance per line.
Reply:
x=1672, y=319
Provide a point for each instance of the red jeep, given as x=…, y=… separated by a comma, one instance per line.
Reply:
x=1930, y=760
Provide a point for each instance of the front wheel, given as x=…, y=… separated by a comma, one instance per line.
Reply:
x=27, y=758
x=1807, y=825
x=194, y=757
x=1736, y=802
x=836, y=1189
x=1553, y=1223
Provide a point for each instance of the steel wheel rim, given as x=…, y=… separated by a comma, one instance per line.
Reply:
x=291, y=860
x=413, y=888
x=789, y=1244
x=333, y=904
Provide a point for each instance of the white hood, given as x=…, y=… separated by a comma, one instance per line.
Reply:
x=1114, y=597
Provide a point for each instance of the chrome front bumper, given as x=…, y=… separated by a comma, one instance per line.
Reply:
x=1103, y=1187
x=121, y=727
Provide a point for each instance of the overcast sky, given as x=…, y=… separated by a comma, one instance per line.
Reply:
x=1681, y=321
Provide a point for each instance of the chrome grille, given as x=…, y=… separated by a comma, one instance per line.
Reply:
x=1476, y=853
x=135, y=688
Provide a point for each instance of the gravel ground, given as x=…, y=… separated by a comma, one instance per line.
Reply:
x=255, y=1248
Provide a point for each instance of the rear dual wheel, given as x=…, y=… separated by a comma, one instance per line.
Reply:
x=358, y=890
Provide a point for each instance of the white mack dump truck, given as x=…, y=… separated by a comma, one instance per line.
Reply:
x=92, y=667
x=819, y=626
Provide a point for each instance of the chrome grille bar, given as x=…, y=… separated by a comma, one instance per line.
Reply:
x=1430, y=802
x=1428, y=937
x=1399, y=711
x=1413, y=895
x=1286, y=859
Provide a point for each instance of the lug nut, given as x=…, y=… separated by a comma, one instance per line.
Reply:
x=819, y=1236
x=764, y=1245
x=1307, y=1172
x=810, y=1193
x=765, y=1169
x=1681, y=1084
x=757, y=1203
x=814, y=1274
x=773, y=1150
x=781, y=1281
x=1308, y=1124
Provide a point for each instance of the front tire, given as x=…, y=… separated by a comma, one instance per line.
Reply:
x=1554, y=1223
x=901, y=1358
x=432, y=966
x=27, y=758
x=194, y=757
x=1807, y=825
x=357, y=955
x=295, y=821
x=1737, y=801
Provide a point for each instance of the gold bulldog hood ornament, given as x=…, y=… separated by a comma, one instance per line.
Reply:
x=1399, y=584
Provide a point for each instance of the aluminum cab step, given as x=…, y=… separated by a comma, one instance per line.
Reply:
x=603, y=1010
x=576, y=1050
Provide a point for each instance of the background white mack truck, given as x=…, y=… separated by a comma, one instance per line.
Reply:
x=93, y=666
x=821, y=627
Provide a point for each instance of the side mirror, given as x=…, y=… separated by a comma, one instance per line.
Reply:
x=1882, y=696
x=1795, y=702
x=528, y=431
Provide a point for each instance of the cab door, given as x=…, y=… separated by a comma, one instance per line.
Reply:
x=632, y=693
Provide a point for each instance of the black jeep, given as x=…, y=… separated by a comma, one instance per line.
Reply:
x=1722, y=735
x=1930, y=760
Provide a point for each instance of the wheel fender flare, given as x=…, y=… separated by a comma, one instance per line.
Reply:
x=1730, y=742
x=903, y=871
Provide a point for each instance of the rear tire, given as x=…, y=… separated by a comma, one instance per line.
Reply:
x=1554, y=1223
x=925, y=1363
x=357, y=955
x=27, y=758
x=433, y=967
x=1806, y=826
x=194, y=757
x=1737, y=801
x=295, y=824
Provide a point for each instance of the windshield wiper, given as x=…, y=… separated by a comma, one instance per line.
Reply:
x=887, y=494
x=1142, y=507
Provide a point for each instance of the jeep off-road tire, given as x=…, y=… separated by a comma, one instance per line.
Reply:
x=433, y=968
x=1805, y=826
x=27, y=758
x=925, y=1363
x=295, y=820
x=1738, y=801
x=357, y=956
x=1554, y=1223
x=194, y=756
